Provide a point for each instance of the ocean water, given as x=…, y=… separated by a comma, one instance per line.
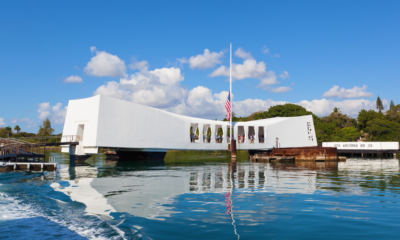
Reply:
x=202, y=198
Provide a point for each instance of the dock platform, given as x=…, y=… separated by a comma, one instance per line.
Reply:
x=28, y=166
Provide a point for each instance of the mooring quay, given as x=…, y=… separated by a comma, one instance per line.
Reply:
x=17, y=154
x=365, y=148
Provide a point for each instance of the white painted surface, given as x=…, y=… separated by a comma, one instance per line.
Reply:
x=115, y=123
x=363, y=145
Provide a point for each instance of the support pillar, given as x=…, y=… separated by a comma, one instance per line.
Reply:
x=394, y=155
x=233, y=149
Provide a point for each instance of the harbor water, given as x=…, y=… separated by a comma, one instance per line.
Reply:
x=186, y=197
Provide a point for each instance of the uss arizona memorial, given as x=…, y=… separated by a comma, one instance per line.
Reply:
x=102, y=121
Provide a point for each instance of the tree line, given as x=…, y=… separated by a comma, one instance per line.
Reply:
x=45, y=130
x=369, y=125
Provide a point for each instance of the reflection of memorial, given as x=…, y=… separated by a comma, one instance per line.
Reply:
x=365, y=165
x=147, y=193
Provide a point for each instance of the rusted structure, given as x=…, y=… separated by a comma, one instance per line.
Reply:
x=307, y=153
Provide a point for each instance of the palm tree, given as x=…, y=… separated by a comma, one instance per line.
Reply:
x=17, y=128
x=8, y=129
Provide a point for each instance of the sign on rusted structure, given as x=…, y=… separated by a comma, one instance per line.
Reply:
x=307, y=153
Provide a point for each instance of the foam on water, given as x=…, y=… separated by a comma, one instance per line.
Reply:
x=22, y=220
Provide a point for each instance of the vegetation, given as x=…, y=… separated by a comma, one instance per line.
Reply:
x=391, y=104
x=369, y=126
x=45, y=129
x=17, y=128
x=379, y=104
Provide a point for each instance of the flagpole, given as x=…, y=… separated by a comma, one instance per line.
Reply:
x=230, y=93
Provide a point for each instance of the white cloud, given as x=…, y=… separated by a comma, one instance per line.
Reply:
x=264, y=49
x=182, y=60
x=157, y=88
x=323, y=107
x=284, y=75
x=242, y=54
x=59, y=113
x=140, y=65
x=202, y=103
x=206, y=60
x=30, y=122
x=342, y=93
x=56, y=113
x=281, y=89
x=2, y=123
x=44, y=111
x=73, y=79
x=249, y=69
x=105, y=65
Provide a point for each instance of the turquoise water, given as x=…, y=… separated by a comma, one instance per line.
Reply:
x=202, y=199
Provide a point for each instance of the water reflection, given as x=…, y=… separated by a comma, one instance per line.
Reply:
x=234, y=198
x=149, y=193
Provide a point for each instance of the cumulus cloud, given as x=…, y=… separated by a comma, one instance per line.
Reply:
x=342, y=93
x=249, y=69
x=202, y=61
x=30, y=122
x=2, y=123
x=242, y=54
x=323, y=107
x=202, y=103
x=44, y=110
x=73, y=79
x=105, y=65
x=56, y=113
x=281, y=89
x=140, y=65
x=284, y=75
x=157, y=88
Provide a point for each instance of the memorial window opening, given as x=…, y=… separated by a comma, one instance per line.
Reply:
x=261, y=136
x=219, y=134
x=206, y=133
x=251, y=135
x=241, y=134
x=194, y=133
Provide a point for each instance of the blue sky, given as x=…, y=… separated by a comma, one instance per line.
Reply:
x=153, y=53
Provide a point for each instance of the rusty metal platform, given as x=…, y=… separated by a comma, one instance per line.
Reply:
x=307, y=154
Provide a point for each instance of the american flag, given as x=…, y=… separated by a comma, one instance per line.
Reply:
x=228, y=107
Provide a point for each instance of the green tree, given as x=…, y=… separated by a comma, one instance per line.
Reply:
x=392, y=104
x=379, y=104
x=393, y=114
x=17, y=128
x=45, y=129
x=364, y=116
x=8, y=129
x=383, y=130
x=286, y=110
x=336, y=110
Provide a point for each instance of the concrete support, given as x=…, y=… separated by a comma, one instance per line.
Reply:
x=233, y=149
x=394, y=155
